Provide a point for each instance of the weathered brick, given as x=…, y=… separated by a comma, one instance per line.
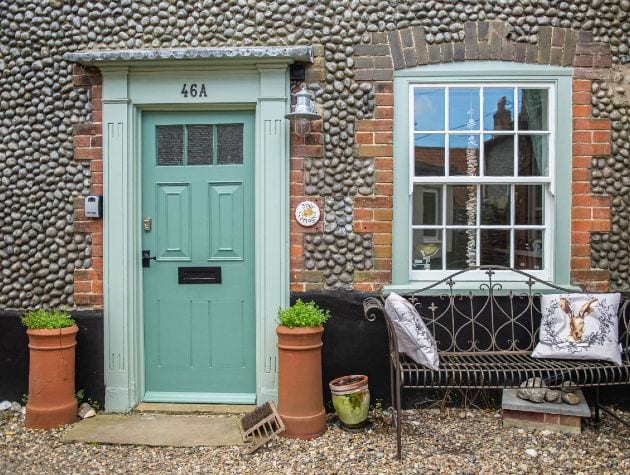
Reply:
x=484, y=50
x=520, y=52
x=557, y=37
x=421, y=45
x=483, y=28
x=447, y=52
x=410, y=57
x=471, y=40
x=531, y=53
x=373, y=74
x=363, y=62
x=374, y=126
x=569, y=48
x=435, y=54
x=396, y=49
x=544, y=44
x=555, y=58
x=384, y=113
x=507, y=50
x=459, y=52
x=373, y=202
x=88, y=153
x=406, y=38
x=371, y=50
x=374, y=150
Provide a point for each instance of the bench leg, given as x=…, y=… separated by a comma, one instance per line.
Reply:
x=398, y=417
x=597, y=418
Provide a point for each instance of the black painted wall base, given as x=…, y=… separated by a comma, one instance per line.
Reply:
x=89, y=375
x=352, y=345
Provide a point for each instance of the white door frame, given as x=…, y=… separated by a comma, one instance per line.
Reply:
x=132, y=86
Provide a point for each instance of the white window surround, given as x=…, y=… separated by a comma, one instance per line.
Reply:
x=557, y=183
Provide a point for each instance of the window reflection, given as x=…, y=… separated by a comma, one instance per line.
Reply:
x=498, y=109
x=429, y=155
x=428, y=108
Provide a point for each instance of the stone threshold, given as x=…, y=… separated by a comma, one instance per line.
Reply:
x=187, y=408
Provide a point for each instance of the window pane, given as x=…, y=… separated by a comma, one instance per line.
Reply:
x=170, y=145
x=529, y=249
x=498, y=108
x=498, y=155
x=429, y=155
x=495, y=247
x=463, y=158
x=427, y=205
x=495, y=204
x=199, y=145
x=428, y=108
x=462, y=210
x=532, y=109
x=230, y=144
x=461, y=248
x=427, y=250
x=533, y=153
x=529, y=206
x=463, y=109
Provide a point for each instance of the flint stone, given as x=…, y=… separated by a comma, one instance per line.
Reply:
x=571, y=398
x=532, y=394
x=85, y=411
x=551, y=395
x=5, y=405
x=568, y=387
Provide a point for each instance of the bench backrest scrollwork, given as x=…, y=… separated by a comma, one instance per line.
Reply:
x=491, y=318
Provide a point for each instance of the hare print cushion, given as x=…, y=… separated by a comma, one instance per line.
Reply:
x=414, y=338
x=580, y=327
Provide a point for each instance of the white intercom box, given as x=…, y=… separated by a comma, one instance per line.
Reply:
x=93, y=206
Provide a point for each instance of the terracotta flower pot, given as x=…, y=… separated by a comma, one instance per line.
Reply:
x=300, y=397
x=51, y=398
x=351, y=399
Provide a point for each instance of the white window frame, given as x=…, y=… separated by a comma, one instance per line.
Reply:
x=557, y=207
x=546, y=180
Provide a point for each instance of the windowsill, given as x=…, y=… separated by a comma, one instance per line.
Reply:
x=466, y=287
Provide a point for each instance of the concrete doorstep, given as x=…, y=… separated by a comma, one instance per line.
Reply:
x=157, y=430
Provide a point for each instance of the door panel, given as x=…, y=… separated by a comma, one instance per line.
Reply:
x=172, y=221
x=197, y=170
x=226, y=230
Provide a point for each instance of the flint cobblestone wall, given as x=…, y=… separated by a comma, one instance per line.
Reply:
x=50, y=133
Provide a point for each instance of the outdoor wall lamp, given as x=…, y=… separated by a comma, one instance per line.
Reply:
x=303, y=113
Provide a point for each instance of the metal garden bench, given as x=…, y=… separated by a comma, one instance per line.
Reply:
x=485, y=337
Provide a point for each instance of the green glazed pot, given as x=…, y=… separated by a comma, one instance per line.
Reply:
x=351, y=399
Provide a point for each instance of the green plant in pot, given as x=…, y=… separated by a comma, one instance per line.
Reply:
x=52, y=342
x=300, y=396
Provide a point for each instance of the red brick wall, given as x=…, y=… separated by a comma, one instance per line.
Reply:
x=589, y=213
x=373, y=214
x=88, y=147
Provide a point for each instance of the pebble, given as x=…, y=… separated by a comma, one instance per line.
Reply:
x=432, y=445
x=5, y=405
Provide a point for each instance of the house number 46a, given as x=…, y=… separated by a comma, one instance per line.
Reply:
x=194, y=90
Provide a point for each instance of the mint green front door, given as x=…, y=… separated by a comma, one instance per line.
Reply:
x=198, y=249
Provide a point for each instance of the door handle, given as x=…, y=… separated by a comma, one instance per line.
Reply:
x=146, y=258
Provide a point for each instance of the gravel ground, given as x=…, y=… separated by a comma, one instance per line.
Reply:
x=456, y=442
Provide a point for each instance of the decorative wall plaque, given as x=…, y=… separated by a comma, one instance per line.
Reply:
x=307, y=213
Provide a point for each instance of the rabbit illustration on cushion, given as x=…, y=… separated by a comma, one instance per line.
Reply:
x=576, y=322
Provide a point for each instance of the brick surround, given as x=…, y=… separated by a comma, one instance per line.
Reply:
x=88, y=146
x=376, y=62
